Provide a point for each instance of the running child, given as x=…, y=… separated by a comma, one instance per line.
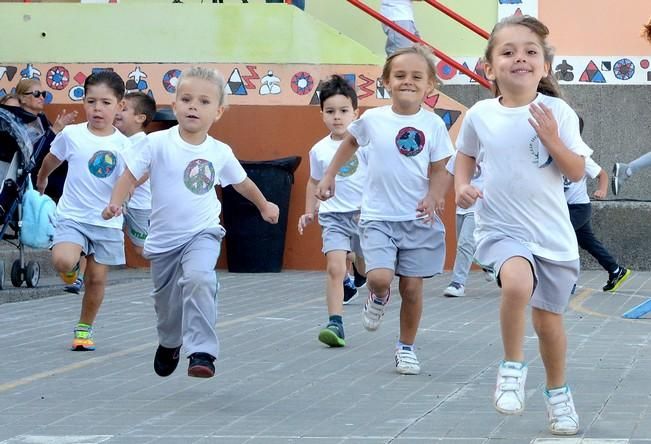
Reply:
x=404, y=194
x=338, y=216
x=530, y=141
x=93, y=151
x=184, y=165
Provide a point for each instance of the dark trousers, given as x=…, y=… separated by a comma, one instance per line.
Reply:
x=581, y=217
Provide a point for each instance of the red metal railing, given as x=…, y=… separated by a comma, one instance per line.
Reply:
x=414, y=38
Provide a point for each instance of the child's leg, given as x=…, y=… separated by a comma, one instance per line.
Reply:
x=411, y=308
x=165, y=274
x=516, y=277
x=96, y=275
x=642, y=162
x=336, y=268
x=465, y=247
x=65, y=256
x=553, y=345
x=379, y=281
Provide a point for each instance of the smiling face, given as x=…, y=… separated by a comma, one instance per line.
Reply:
x=517, y=61
x=101, y=105
x=197, y=107
x=127, y=121
x=337, y=114
x=409, y=82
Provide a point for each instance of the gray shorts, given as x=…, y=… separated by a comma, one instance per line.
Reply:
x=136, y=224
x=409, y=248
x=106, y=244
x=554, y=281
x=395, y=40
x=340, y=232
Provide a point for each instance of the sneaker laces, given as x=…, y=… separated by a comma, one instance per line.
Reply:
x=510, y=379
x=406, y=356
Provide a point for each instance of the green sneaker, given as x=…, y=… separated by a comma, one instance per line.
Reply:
x=333, y=335
x=83, y=338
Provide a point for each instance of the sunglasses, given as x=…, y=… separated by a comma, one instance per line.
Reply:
x=36, y=94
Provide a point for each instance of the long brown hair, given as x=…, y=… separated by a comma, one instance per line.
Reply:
x=548, y=85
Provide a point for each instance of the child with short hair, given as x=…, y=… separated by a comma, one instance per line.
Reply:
x=338, y=216
x=138, y=112
x=93, y=152
x=184, y=165
x=404, y=195
x=530, y=139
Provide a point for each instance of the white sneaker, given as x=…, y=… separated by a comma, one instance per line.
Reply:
x=407, y=362
x=561, y=413
x=373, y=311
x=489, y=276
x=619, y=177
x=509, y=389
x=455, y=290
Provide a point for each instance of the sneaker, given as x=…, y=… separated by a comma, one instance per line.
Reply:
x=333, y=335
x=619, y=177
x=509, y=389
x=373, y=311
x=166, y=360
x=75, y=287
x=561, y=413
x=71, y=276
x=359, y=279
x=83, y=339
x=407, y=362
x=615, y=280
x=454, y=290
x=349, y=290
x=201, y=365
x=489, y=276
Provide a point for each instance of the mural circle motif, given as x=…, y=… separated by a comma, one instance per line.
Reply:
x=644, y=63
x=624, y=69
x=302, y=83
x=171, y=79
x=445, y=71
x=57, y=77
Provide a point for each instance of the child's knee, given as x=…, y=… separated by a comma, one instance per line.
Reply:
x=64, y=263
x=336, y=269
x=379, y=280
x=200, y=279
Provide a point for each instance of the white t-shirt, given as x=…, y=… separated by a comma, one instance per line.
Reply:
x=349, y=181
x=183, y=179
x=477, y=179
x=396, y=10
x=94, y=165
x=577, y=192
x=400, y=150
x=523, y=187
x=141, y=199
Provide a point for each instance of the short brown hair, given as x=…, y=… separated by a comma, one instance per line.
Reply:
x=142, y=104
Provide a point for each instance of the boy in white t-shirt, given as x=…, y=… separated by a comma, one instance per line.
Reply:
x=400, y=12
x=138, y=111
x=93, y=151
x=404, y=195
x=184, y=165
x=339, y=216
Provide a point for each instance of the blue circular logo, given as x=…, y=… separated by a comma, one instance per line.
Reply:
x=102, y=164
x=410, y=141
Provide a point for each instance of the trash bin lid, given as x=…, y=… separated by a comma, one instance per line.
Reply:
x=287, y=163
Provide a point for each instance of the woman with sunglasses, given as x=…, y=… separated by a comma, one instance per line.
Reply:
x=32, y=99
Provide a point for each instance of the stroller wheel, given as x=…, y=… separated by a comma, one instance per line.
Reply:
x=32, y=274
x=16, y=274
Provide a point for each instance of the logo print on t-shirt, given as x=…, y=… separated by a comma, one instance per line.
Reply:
x=349, y=167
x=102, y=164
x=199, y=176
x=534, y=149
x=410, y=141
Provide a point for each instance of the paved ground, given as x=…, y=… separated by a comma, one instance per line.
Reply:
x=276, y=384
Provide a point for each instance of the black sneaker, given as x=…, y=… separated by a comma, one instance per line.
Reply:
x=201, y=365
x=615, y=280
x=360, y=280
x=75, y=287
x=166, y=360
x=349, y=290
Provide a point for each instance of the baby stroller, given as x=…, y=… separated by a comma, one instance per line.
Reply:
x=18, y=130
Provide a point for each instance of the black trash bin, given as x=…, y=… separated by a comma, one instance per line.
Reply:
x=253, y=245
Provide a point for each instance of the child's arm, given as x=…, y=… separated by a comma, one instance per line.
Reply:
x=602, y=188
x=311, y=205
x=50, y=163
x=571, y=164
x=464, y=168
x=439, y=183
x=249, y=190
x=326, y=188
x=121, y=191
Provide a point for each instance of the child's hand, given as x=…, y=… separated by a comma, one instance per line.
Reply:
x=467, y=195
x=325, y=189
x=41, y=184
x=111, y=211
x=599, y=194
x=305, y=220
x=543, y=121
x=270, y=213
x=428, y=207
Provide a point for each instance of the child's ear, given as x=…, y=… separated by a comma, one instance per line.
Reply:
x=488, y=70
x=220, y=111
x=121, y=104
x=140, y=119
x=356, y=113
